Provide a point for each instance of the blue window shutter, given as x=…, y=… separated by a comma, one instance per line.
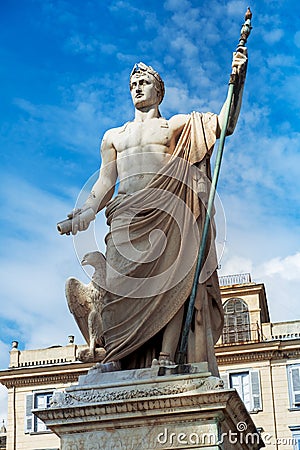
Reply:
x=225, y=378
x=295, y=382
x=255, y=390
x=28, y=413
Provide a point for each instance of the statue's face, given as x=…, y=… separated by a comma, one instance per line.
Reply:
x=143, y=90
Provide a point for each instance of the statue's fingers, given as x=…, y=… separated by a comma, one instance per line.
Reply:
x=237, y=57
x=241, y=57
x=74, y=226
x=83, y=225
x=243, y=51
x=87, y=223
x=74, y=213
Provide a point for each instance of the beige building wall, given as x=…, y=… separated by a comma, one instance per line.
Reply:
x=35, y=373
x=275, y=417
x=16, y=417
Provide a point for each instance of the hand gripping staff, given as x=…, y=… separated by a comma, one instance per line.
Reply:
x=245, y=31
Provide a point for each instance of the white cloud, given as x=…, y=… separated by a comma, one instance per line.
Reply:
x=281, y=61
x=78, y=123
x=263, y=242
x=287, y=268
x=35, y=263
x=142, y=17
x=236, y=8
x=177, y=99
x=273, y=36
x=75, y=124
x=281, y=276
x=235, y=265
x=4, y=351
x=177, y=5
x=3, y=404
x=183, y=44
x=91, y=47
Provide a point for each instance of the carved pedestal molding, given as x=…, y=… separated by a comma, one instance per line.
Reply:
x=157, y=408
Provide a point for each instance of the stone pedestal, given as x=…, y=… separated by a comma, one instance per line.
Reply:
x=177, y=407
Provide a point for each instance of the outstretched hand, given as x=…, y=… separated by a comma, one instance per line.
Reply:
x=81, y=218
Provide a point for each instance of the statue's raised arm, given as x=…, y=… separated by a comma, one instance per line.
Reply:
x=237, y=78
x=239, y=68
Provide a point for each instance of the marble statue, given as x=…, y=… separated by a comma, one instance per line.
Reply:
x=163, y=170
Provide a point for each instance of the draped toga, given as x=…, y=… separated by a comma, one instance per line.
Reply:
x=152, y=247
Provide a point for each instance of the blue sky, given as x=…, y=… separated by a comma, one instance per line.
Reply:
x=65, y=70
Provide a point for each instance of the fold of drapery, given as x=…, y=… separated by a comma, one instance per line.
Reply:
x=152, y=247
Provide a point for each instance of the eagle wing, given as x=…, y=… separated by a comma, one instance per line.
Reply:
x=80, y=304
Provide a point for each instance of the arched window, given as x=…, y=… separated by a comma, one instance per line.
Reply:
x=236, y=321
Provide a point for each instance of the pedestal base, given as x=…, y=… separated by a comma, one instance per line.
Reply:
x=159, y=408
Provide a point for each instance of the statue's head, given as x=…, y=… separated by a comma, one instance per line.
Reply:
x=141, y=69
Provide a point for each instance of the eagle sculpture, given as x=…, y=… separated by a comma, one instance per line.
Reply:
x=85, y=303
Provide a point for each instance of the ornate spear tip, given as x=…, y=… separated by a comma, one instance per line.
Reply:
x=246, y=29
x=248, y=14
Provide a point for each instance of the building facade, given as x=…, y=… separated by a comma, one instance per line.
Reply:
x=260, y=359
x=31, y=379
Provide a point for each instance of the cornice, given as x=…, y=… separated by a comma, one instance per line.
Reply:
x=244, y=289
x=34, y=376
x=226, y=355
x=259, y=346
x=268, y=354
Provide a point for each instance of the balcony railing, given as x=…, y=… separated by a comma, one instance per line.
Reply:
x=240, y=278
x=240, y=335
